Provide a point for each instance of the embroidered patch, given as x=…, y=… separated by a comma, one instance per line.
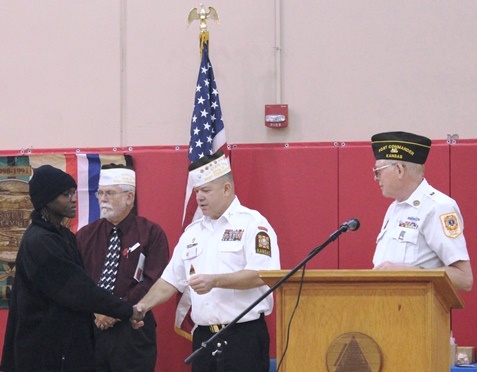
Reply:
x=451, y=225
x=231, y=235
x=262, y=244
x=192, y=270
x=262, y=228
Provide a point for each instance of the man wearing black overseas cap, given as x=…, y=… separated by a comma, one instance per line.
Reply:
x=423, y=228
x=49, y=324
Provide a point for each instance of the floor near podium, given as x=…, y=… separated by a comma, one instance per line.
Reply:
x=273, y=365
x=468, y=368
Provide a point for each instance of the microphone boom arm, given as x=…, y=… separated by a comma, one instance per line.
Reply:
x=352, y=224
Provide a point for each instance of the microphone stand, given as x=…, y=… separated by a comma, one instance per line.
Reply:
x=343, y=228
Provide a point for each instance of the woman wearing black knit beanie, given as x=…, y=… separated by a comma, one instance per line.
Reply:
x=49, y=326
x=46, y=184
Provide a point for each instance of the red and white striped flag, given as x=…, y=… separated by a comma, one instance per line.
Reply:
x=15, y=172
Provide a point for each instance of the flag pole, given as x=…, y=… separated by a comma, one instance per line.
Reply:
x=207, y=135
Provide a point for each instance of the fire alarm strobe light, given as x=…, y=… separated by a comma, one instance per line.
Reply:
x=276, y=116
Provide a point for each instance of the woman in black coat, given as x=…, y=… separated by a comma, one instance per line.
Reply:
x=49, y=326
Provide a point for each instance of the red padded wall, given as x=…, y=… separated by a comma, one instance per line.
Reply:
x=295, y=188
x=359, y=197
x=463, y=175
x=161, y=180
x=306, y=191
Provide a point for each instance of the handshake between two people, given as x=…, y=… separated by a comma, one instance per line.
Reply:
x=104, y=322
x=138, y=315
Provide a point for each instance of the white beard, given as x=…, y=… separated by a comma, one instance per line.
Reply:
x=108, y=212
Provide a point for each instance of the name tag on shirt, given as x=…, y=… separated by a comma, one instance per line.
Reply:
x=134, y=247
x=139, y=273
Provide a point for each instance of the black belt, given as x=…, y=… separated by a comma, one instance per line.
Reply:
x=214, y=328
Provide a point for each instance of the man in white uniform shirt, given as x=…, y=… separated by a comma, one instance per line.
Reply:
x=218, y=257
x=423, y=228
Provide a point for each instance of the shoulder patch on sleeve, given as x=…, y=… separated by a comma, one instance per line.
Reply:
x=451, y=225
x=262, y=244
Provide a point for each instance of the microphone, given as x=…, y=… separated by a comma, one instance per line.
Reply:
x=353, y=224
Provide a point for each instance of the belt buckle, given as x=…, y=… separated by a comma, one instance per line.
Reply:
x=214, y=328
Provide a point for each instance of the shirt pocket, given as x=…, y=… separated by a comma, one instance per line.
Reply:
x=405, y=245
x=232, y=256
x=129, y=262
x=191, y=253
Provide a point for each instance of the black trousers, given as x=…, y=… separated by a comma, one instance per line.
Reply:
x=124, y=349
x=247, y=348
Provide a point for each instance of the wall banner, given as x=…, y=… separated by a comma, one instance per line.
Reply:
x=15, y=204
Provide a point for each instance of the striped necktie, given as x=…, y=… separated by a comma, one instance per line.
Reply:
x=110, y=268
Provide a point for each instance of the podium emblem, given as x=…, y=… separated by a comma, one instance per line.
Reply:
x=354, y=352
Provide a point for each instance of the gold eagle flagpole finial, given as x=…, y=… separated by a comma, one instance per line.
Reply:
x=203, y=16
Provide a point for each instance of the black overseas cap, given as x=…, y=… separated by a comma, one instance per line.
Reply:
x=402, y=146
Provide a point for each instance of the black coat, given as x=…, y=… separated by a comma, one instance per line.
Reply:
x=49, y=326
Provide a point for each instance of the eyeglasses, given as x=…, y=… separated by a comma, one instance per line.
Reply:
x=379, y=169
x=108, y=194
x=69, y=194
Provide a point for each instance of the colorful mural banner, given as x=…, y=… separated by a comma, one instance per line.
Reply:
x=15, y=204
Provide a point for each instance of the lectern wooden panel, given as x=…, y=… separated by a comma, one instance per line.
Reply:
x=406, y=313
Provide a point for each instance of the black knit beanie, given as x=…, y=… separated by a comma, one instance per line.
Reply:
x=47, y=183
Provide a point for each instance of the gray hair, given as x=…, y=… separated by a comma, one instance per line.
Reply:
x=414, y=170
x=128, y=188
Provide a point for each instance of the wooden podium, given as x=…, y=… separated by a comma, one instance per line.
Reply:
x=405, y=314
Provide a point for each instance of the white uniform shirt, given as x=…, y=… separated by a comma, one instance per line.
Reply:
x=240, y=239
x=425, y=230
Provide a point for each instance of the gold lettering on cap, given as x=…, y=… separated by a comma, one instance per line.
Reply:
x=395, y=148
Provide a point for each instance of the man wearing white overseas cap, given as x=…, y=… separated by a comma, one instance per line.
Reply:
x=138, y=258
x=218, y=257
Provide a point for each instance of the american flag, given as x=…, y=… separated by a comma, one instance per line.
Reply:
x=207, y=135
x=207, y=131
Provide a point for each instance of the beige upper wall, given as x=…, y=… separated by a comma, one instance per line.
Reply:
x=347, y=69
